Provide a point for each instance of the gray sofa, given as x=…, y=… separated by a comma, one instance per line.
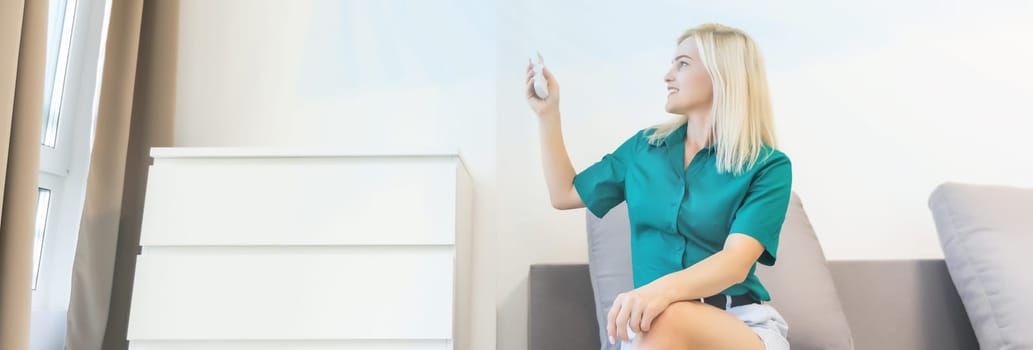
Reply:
x=986, y=233
x=898, y=304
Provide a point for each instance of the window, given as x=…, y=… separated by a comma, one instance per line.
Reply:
x=42, y=209
x=59, y=32
x=75, y=33
x=53, y=154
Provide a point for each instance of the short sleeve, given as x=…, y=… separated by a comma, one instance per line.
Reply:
x=763, y=210
x=601, y=185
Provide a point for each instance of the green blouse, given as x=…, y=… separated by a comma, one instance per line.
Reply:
x=681, y=216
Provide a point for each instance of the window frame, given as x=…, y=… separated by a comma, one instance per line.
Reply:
x=64, y=168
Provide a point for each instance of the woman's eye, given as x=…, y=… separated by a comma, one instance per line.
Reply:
x=683, y=64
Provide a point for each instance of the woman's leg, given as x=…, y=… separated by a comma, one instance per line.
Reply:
x=697, y=326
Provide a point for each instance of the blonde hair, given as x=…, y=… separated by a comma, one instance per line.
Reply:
x=743, y=121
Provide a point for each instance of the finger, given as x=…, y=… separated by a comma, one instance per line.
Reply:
x=648, y=316
x=552, y=85
x=548, y=73
x=612, y=326
x=636, y=318
x=622, y=321
x=611, y=319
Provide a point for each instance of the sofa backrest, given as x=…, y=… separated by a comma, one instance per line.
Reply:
x=560, y=308
x=902, y=304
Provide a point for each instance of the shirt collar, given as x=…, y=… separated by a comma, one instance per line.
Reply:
x=677, y=137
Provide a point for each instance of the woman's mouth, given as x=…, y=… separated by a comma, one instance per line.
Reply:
x=671, y=91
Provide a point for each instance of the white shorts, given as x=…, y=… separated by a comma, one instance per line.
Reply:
x=762, y=318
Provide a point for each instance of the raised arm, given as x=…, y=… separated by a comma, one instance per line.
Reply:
x=559, y=172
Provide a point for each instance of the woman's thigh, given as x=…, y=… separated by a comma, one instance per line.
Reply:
x=697, y=326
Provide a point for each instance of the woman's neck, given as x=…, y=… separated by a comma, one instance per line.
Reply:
x=698, y=130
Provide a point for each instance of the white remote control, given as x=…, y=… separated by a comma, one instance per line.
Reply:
x=541, y=88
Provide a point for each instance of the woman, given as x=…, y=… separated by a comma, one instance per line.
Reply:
x=706, y=194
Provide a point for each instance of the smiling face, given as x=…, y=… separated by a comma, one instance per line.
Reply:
x=689, y=88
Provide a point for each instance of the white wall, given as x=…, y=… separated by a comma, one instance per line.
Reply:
x=876, y=103
x=339, y=75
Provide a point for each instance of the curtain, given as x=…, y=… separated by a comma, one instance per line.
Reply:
x=136, y=110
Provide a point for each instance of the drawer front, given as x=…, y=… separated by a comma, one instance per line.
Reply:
x=293, y=345
x=287, y=201
x=293, y=293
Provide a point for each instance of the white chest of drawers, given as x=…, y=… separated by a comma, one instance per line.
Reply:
x=281, y=249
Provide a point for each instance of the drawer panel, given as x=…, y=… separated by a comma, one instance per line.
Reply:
x=288, y=201
x=293, y=345
x=293, y=293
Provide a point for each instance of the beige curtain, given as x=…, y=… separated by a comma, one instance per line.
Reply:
x=23, y=31
x=137, y=104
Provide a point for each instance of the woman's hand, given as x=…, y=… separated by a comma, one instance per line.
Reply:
x=637, y=309
x=550, y=106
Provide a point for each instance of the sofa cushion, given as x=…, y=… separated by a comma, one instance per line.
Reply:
x=987, y=233
x=802, y=288
x=800, y=284
x=609, y=263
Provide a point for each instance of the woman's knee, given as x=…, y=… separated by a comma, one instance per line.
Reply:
x=693, y=325
x=670, y=330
